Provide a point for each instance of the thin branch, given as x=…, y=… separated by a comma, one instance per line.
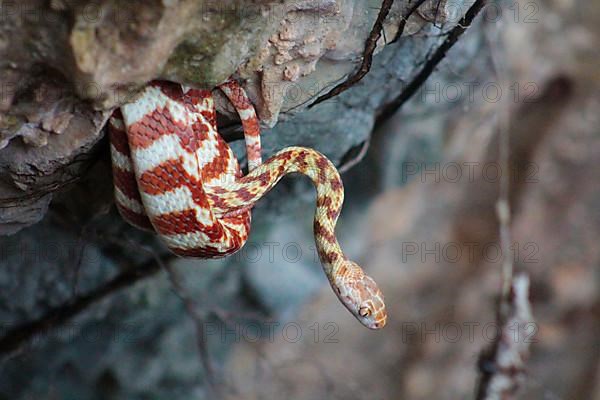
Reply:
x=199, y=315
x=199, y=318
x=364, y=147
x=370, y=46
x=502, y=366
x=428, y=67
x=409, y=11
x=16, y=337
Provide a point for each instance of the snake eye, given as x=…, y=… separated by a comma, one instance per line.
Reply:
x=364, y=312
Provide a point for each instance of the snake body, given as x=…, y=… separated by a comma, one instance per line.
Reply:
x=174, y=174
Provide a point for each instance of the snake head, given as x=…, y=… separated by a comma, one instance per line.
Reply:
x=361, y=296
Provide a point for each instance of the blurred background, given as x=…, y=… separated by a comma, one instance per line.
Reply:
x=93, y=309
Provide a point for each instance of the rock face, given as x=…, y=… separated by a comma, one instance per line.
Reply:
x=65, y=65
x=123, y=333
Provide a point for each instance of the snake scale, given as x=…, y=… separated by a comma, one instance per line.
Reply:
x=175, y=175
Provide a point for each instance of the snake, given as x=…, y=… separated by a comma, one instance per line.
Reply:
x=176, y=176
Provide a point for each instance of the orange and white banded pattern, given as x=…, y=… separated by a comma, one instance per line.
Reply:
x=175, y=175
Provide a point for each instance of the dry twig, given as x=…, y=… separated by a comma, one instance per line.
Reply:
x=370, y=46
x=502, y=366
x=15, y=338
x=438, y=55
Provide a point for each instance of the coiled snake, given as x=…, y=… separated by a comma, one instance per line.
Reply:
x=175, y=175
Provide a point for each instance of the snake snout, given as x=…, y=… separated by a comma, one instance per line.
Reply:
x=376, y=316
x=372, y=310
x=363, y=298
